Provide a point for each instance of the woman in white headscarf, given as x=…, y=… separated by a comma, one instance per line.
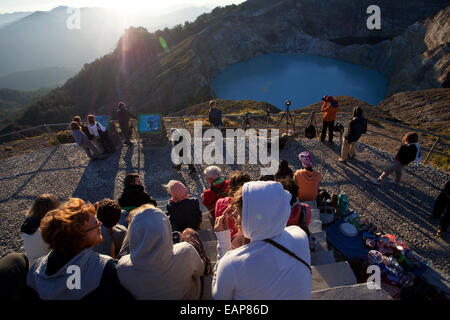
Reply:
x=276, y=263
x=155, y=268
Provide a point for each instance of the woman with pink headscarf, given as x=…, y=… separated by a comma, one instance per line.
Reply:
x=184, y=211
x=307, y=179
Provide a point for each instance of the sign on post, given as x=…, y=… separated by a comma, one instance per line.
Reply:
x=149, y=123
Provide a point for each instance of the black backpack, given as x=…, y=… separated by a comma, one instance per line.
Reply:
x=322, y=197
x=310, y=131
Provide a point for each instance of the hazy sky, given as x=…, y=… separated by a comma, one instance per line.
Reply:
x=158, y=6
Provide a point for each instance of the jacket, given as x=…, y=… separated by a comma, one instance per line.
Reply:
x=49, y=276
x=184, y=214
x=356, y=127
x=218, y=189
x=93, y=129
x=114, y=236
x=215, y=117
x=308, y=184
x=123, y=116
x=135, y=196
x=406, y=154
x=221, y=205
x=258, y=270
x=156, y=268
x=330, y=109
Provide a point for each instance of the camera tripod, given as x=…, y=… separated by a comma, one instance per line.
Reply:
x=289, y=120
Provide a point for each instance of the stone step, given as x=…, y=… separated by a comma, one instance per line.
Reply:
x=318, y=241
x=315, y=214
x=322, y=257
x=332, y=275
x=353, y=292
x=315, y=226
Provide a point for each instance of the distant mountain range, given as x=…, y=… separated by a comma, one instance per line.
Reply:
x=42, y=40
x=7, y=18
x=32, y=80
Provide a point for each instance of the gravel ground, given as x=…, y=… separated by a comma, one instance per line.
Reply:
x=66, y=172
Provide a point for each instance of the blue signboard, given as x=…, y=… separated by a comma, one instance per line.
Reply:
x=103, y=120
x=149, y=123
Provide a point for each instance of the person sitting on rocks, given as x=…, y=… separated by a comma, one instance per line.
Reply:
x=83, y=141
x=85, y=129
x=262, y=269
x=237, y=180
x=408, y=152
x=218, y=189
x=155, y=268
x=307, y=179
x=283, y=170
x=71, y=231
x=109, y=214
x=184, y=211
x=100, y=134
x=134, y=194
x=34, y=245
x=356, y=127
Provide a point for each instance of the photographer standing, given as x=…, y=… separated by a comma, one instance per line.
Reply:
x=215, y=115
x=330, y=107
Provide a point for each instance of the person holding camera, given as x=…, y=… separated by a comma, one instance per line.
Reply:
x=330, y=107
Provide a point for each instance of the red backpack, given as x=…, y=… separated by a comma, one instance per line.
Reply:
x=300, y=216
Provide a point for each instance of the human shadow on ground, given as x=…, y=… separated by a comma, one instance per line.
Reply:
x=98, y=179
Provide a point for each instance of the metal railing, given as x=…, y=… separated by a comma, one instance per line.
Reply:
x=268, y=122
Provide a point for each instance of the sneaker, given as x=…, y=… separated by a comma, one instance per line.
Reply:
x=351, y=158
x=439, y=233
x=342, y=160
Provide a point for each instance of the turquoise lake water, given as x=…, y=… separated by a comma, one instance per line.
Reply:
x=304, y=79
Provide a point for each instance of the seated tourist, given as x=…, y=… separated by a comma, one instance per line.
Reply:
x=71, y=231
x=99, y=134
x=307, y=179
x=84, y=129
x=134, y=194
x=218, y=188
x=184, y=211
x=259, y=270
x=300, y=212
x=83, y=142
x=109, y=213
x=283, y=170
x=155, y=268
x=33, y=244
x=237, y=180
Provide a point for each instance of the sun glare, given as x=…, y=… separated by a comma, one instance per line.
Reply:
x=132, y=6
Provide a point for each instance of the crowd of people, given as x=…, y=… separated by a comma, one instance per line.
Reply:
x=129, y=248
x=94, y=138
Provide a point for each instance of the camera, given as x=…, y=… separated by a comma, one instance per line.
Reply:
x=324, y=98
x=288, y=103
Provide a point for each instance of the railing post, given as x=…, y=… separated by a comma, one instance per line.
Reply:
x=432, y=148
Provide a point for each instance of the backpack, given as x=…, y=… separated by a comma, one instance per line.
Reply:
x=310, y=131
x=300, y=216
x=338, y=127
